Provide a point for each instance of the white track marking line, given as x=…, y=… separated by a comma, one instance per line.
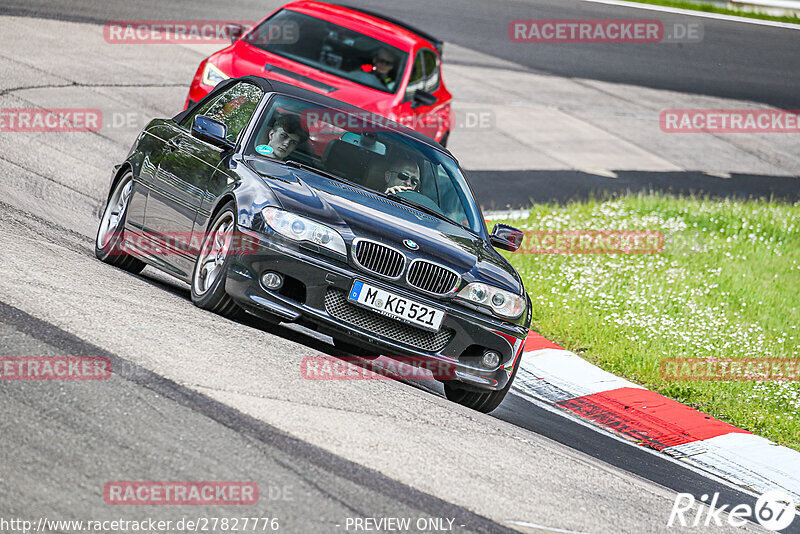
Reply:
x=701, y=14
x=506, y=214
x=753, y=460
x=571, y=373
x=542, y=527
x=705, y=472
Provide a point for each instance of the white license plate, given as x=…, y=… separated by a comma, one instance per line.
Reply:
x=396, y=306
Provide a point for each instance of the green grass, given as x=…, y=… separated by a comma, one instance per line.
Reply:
x=727, y=284
x=713, y=8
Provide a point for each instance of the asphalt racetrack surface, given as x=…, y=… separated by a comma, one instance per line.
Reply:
x=739, y=61
x=733, y=62
x=198, y=397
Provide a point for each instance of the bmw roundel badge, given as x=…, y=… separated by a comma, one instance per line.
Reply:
x=410, y=244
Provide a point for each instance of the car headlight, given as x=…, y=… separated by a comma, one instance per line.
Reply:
x=503, y=303
x=212, y=75
x=299, y=228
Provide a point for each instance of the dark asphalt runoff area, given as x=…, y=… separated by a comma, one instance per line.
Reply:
x=63, y=441
x=157, y=429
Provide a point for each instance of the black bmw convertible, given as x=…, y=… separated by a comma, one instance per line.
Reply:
x=291, y=206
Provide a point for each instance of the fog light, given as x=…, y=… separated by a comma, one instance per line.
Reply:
x=491, y=359
x=271, y=280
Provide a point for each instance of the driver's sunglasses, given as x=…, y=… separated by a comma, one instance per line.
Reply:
x=405, y=177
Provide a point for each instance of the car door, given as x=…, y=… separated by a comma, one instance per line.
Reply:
x=184, y=172
x=151, y=144
x=424, y=76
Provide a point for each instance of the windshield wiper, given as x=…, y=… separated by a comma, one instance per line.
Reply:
x=420, y=207
x=310, y=168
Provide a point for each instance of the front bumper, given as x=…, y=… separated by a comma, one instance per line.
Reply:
x=312, y=277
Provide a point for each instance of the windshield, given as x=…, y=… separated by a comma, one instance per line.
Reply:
x=366, y=153
x=332, y=49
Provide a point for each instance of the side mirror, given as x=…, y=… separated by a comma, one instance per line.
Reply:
x=235, y=31
x=507, y=237
x=423, y=98
x=211, y=131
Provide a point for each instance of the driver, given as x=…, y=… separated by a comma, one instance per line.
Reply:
x=285, y=135
x=384, y=62
x=404, y=176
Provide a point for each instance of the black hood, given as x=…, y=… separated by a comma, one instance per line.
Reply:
x=357, y=212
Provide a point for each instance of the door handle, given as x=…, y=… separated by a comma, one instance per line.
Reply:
x=173, y=144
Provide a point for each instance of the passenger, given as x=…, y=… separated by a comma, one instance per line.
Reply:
x=285, y=135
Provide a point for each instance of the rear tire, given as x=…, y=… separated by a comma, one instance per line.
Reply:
x=109, y=245
x=211, y=266
x=480, y=401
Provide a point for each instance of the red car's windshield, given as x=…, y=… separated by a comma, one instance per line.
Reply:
x=330, y=48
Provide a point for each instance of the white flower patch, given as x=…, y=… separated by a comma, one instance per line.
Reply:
x=662, y=298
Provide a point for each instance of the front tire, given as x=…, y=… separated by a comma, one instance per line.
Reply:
x=480, y=401
x=109, y=244
x=211, y=267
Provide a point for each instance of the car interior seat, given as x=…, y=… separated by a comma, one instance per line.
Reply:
x=347, y=160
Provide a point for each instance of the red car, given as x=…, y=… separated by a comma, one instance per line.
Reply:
x=378, y=64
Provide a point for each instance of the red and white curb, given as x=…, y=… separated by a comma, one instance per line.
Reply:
x=559, y=377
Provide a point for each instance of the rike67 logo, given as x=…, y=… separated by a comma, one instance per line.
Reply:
x=774, y=510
